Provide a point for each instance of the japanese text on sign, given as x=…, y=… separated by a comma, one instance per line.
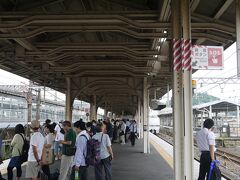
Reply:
x=207, y=57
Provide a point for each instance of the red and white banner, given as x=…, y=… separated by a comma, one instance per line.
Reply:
x=207, y=57
x=186, y=59
x=182, y=49
x=177, y=54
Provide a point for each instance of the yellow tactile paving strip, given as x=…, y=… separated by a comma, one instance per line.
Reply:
x=168, y=158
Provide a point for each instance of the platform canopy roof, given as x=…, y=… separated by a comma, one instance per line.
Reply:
x=106, y=47
x=217, y=106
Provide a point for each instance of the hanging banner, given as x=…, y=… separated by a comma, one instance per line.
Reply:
x=207, y=57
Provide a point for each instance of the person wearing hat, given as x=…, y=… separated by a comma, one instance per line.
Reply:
x=68, y=150
x=35, y=151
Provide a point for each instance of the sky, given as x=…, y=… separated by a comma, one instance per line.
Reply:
x=7, y=78
x=223, y=91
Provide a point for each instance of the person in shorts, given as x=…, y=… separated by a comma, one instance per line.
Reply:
x=35, y=152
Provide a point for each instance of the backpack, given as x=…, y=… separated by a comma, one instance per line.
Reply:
x=61, y=129
x=93, y=151
x=25, y=149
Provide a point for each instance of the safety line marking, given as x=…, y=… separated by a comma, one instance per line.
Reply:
x=166, y=156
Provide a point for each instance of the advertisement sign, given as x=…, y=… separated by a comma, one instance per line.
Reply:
x=207, y=57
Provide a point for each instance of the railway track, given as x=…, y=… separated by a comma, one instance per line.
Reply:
x=234, y=158
x=230, y=163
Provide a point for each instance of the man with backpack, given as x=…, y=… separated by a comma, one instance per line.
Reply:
x=106, y=155
x=79, y=163
x=68, y=150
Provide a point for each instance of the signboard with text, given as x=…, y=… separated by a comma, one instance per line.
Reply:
x=207, y=57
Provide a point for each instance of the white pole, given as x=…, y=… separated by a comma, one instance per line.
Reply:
x=210, y=112
x=38, y=116
x=148, y=128
x=68, y=110
x=187, y=80
x=145, y=116
x=201, y=119
x=168, y=101
x=238, y=119
x=238, y=35
x=139, y=118
x=178, y=121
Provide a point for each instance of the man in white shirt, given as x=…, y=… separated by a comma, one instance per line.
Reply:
x=106, y=155
x=133, y=132
x=79, y=163
x=206, y=145
x=35, y=152
x=122, y=131
x=58, y=137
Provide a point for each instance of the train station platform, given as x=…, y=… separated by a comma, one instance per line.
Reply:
x=131, y=163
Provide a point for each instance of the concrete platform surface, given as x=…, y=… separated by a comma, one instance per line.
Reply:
x=131, y=164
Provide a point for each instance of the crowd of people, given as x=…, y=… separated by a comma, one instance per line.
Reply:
x=72, y=145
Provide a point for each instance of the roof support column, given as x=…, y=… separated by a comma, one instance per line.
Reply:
x=140, y=119
x=93, y=108
x=238, y=35
x=69, y=102
x=187, y=105
x=105, y=110
x=201, y=119
x=38, y=112
x=210, y=112
x=238, y=119
x=178, y=121
x=145, y=117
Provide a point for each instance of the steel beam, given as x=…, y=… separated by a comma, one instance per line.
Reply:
x=224, y=7
x=45, y=29
x=194, y=5
x=46, y=20
x=62, y=49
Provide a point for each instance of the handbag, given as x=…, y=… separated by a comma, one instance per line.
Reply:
x=47, y=156
x=121, y=133
x=214, y=172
